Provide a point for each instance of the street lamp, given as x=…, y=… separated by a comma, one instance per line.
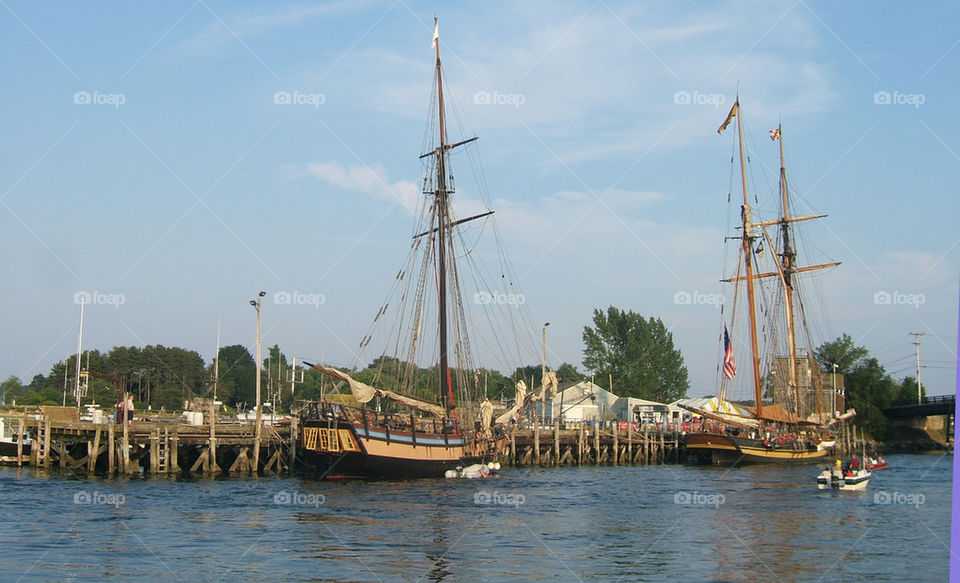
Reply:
x=257, y=431
x=543, y=365
x=834, y=388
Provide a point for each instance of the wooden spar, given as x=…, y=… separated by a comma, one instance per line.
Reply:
x=777, y=273
x=747, y=248
x=461, y=221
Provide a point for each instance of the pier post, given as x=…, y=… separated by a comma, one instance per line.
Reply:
x=596, y=442
x=111, y=450
x=630, y=441
x=646, y=445
x=663, y=451
x=556, y=442
x=154, y=452
x=616, y=444
x=213, y=467
x=580, y=444
x=93, y=452
x=536, y=435
x=294, y=433
x=20, y=441
x=46, y=442
x=174, y=453
x=513, y=445
x=125, y=446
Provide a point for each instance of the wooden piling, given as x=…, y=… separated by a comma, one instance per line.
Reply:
x=556, y=441
x=111, y=449
x=20, y=442
x=596, y=442
x=616, y=444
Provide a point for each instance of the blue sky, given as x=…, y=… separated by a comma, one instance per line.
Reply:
x=145, y=156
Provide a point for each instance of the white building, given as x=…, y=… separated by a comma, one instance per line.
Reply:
x=583, y=401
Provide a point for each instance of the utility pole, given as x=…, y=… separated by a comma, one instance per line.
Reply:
x=916, y=343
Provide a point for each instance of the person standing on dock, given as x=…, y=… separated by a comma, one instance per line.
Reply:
x=129, y=408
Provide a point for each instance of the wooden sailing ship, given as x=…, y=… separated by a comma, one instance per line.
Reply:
x=786, y=431
x=379, y=432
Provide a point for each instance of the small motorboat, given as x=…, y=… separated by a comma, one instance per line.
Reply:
x=843, y=479
x=875, y=462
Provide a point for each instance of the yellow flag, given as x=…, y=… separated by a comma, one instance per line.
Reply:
x=726, y=122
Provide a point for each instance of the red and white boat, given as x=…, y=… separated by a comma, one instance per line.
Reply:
x=875, y=463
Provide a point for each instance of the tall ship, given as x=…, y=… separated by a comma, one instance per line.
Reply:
x=795, y=426
x=415, y=412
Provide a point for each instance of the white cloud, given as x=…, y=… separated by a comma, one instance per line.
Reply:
x=367, y=180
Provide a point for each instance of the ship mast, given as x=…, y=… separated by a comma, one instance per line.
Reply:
x=442, y=201
x=788, y=259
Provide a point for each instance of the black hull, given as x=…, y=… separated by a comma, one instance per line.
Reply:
x=733, y=450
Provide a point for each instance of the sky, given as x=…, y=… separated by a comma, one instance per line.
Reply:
x=168, y=161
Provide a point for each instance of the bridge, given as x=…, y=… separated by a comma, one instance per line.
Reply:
x=938, y=405
x=916, y=414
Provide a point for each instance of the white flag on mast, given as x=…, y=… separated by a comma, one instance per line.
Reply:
x=436, y=33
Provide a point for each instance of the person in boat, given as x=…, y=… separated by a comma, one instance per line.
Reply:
x=854, y=463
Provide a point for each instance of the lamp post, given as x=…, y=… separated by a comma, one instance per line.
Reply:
x=834, y=375
x=256, y=436
x=543, y=364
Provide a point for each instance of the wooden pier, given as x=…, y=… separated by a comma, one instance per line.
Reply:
x=152, y=445
x=579, y=445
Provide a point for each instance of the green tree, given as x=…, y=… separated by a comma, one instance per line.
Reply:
x=238, y=376
x=870, y=390
x=638, y=353
x=841, y=352
x=11, y=390
x=569, y=373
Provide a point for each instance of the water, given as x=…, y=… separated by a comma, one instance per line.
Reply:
x=665, y=523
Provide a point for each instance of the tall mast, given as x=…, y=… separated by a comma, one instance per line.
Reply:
x=747, y=247
x=442, y=202
x=788, y=259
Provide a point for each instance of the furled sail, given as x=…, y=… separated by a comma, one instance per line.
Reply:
x=519, y=402
x=364, y=393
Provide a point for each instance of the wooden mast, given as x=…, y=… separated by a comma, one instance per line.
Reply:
x=442, y=202
x=746, y=239
x=788, y=260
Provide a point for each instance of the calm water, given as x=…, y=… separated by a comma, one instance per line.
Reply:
x=570, y=524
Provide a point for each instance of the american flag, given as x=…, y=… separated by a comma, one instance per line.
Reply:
x=729, y=367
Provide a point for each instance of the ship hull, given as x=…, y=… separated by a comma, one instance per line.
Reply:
x=729, y=450
x=340, y=450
